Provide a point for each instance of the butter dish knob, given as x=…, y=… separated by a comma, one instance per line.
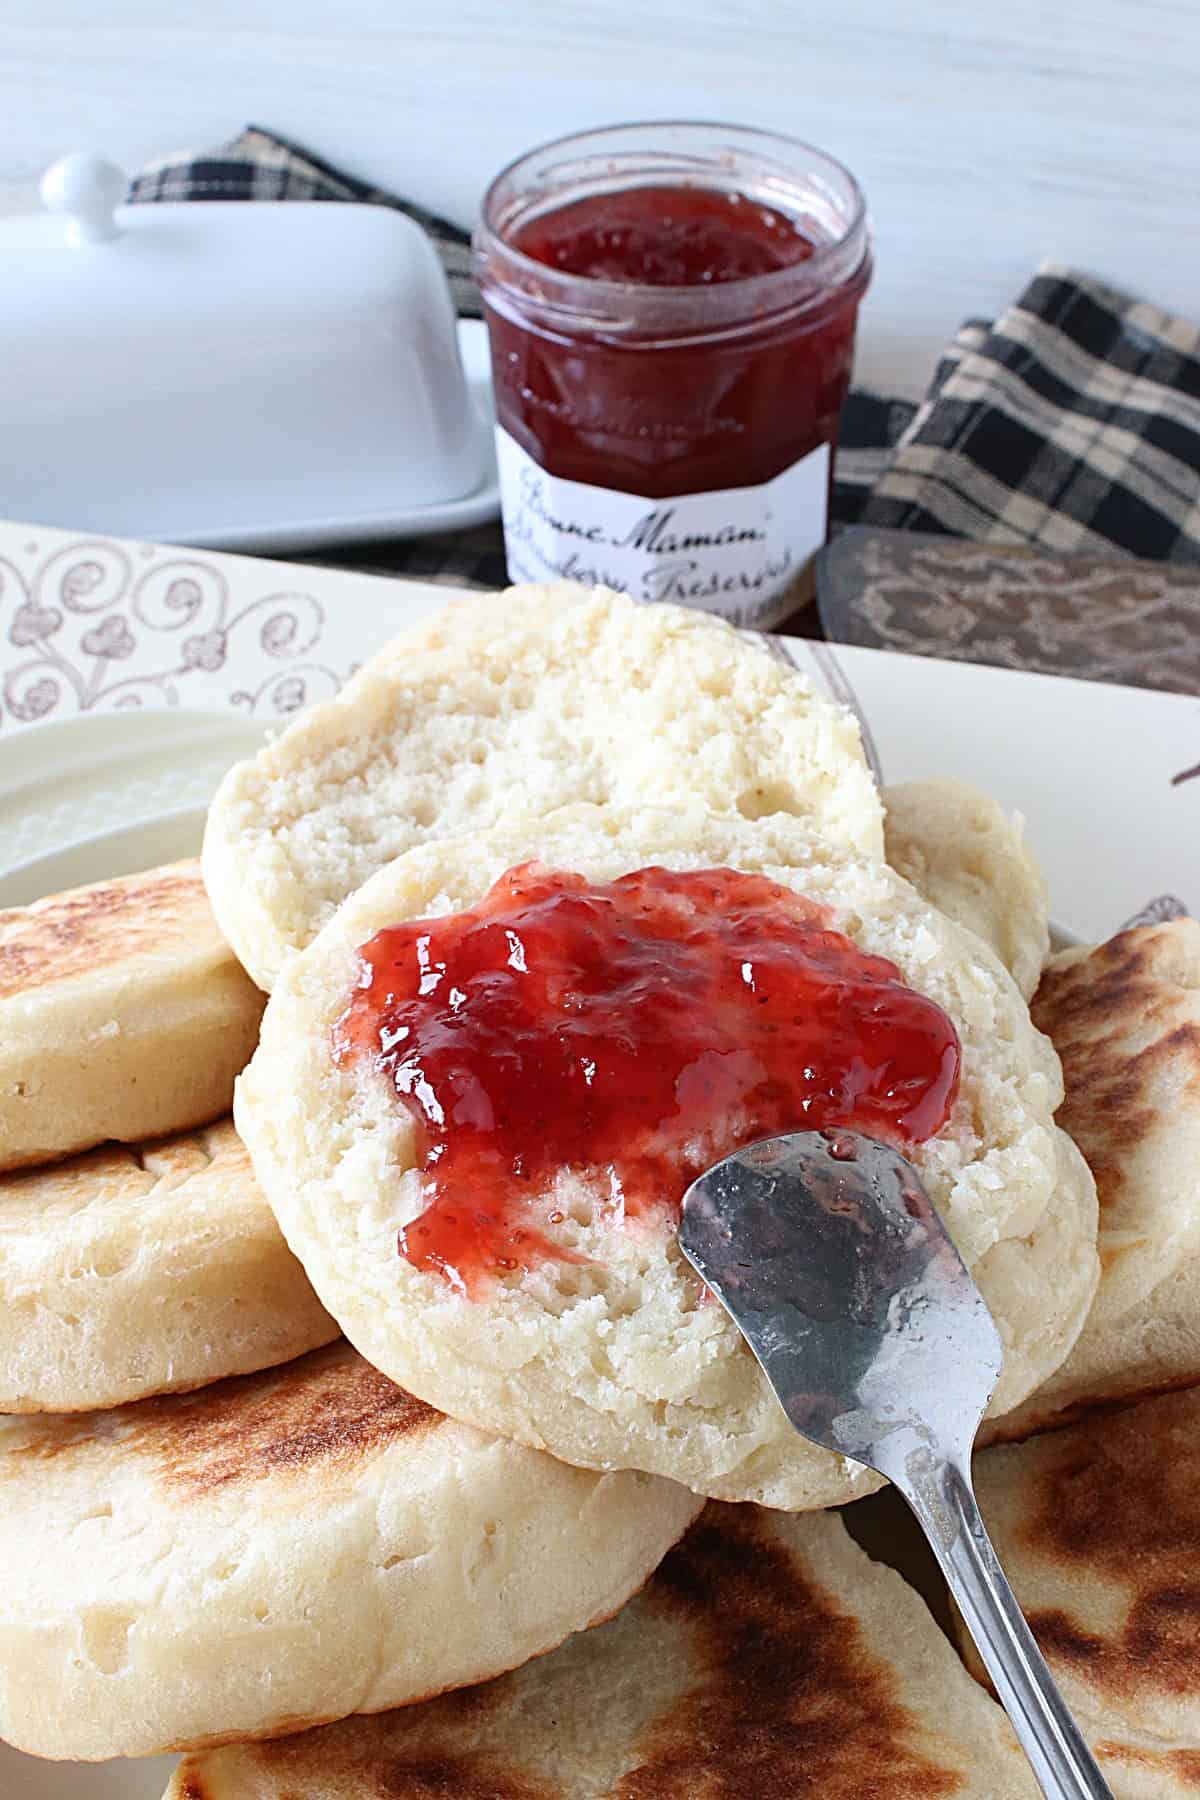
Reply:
x=87, y=190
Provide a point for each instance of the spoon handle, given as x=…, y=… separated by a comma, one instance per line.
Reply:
x=948, y=1513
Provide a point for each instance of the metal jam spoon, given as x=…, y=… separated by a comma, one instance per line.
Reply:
x=828, y=1255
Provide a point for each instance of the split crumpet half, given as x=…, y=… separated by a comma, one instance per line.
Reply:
x=604, y=1349
x=123, y=1014
x=966, y=856
x=1125, y=1019
x=282, y=1549
x=142, y=1270
x=767, y=1657
x=512, y=704
x=1098, y=1527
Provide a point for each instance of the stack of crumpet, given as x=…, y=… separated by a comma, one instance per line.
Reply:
x=515, y=1516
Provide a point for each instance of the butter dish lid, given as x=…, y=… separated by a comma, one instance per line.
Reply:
x=189, y=371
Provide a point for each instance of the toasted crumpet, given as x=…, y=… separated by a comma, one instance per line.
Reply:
x=768, y=1658
x=282, y=1549
x=144, y=1269
x=1098, y=1526
x=123, y=1014
x=1125, y=1019
x=613, y=1359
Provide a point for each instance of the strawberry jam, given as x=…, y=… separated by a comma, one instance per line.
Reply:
x=665, y=237
x=633, y=1032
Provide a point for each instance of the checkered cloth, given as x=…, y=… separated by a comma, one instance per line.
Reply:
x=1072, y=423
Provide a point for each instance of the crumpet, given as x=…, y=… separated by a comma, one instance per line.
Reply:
x=283, y=1549
x=1098, y=1527
x=512, y=704
x=1125, y=1020
x=144, y=1269
x=768, y=1657
x=963, y=854
x=123, y=1014
x=604, y=1352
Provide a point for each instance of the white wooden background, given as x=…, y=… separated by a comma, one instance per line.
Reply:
x=988, y=133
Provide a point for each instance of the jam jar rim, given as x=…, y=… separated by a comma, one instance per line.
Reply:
x=837, y=272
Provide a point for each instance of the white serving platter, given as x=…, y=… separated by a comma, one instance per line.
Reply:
x=1101, y=775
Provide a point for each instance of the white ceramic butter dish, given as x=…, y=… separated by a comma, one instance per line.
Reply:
x=265, y=375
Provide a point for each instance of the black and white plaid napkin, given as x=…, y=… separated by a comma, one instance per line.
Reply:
x=1072, y=423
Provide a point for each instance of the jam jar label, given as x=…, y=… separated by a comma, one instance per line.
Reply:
x=738, y=552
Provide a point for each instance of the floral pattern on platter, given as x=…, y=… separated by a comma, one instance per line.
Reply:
x=103, y=626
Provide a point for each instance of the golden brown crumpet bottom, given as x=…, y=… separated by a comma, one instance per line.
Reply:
x=1125, y=1020
x=283, y=1549
x=1098, y=1526
x=147, y=1269
x=123, y=1014
x=768, y=1658
x=963, y=854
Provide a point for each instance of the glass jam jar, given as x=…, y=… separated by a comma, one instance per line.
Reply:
x=671, y=310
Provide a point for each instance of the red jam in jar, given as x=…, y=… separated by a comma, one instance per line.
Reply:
x=632, y=1031
x=672, y=313
x=665, y=237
